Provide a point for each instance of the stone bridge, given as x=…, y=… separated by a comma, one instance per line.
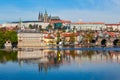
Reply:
x=108, y=41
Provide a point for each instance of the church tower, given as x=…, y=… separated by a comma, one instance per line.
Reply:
x=40, y=17
x=45, y=16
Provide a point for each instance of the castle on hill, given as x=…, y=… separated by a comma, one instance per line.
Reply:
x=44, y=17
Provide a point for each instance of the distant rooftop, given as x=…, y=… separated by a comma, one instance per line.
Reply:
x=55, y=18
x=88, y=23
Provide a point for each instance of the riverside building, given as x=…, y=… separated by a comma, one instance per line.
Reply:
x=88, y=25
x=30, y=39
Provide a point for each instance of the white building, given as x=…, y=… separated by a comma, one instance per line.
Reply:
x=42, y=24
x=30, y=39
x=9, y=24
x=113, y=26
x=88, y=25
x=8, y=45
x=26, y=24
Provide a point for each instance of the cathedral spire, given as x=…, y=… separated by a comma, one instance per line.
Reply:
x=46, y=12
x=39, y=16
x=45, y=16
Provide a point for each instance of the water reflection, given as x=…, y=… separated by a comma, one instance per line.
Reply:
x=6, y=56
x=47, y=59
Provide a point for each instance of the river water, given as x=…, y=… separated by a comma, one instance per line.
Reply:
x=60, y=65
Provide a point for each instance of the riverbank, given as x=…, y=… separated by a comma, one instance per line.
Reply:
x=65, y=48
x=90, y=48
x=12, y=49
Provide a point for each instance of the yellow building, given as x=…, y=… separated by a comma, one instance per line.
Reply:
x=50, y=39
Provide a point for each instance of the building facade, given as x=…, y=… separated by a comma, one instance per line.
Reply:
x=114, y=27
x=88, y=25
x=30, y=39
x=44, y=17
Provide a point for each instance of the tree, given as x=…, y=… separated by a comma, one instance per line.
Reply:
x=11, y=35
x=40, y=28
x=7, y=35
x=30, y=26
x=74, y=28
x=49, y=27
x=2, y=39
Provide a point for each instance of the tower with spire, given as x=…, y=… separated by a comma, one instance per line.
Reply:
x=40, y=17
x=46, y=16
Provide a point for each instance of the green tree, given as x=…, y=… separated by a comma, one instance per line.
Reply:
x=40, y=28
x=49, y=27
x=7, y=35
x=74, y=28
x=11, y=35
x=30, y=26
x=2, y=39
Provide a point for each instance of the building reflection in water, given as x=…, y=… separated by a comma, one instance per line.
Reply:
x=47, y=59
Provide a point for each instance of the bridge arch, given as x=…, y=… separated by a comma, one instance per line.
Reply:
x=103, y=42
x=115, y=42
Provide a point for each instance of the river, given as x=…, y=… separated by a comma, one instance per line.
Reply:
x=60, y=65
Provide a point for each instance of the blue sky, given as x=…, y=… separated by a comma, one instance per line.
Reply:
x=75, y=10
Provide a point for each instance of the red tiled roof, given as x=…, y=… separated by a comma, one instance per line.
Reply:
x=60, y=21
x=96, y=23
x=69, y=34
x=66, y=21
x=112, y=24
x=45, y=32
x=79, y=23
x=49, y=36
x=110, y=33
x=10, y=28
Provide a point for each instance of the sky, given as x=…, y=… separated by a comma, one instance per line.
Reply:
x=107, y=11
